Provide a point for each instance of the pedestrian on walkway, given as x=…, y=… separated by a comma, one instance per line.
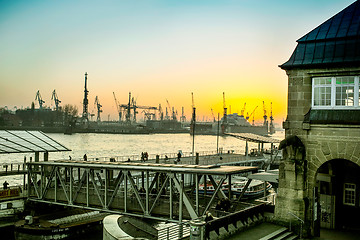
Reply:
x=5, y=184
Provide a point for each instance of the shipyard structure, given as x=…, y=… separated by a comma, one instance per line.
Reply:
x=132, y=118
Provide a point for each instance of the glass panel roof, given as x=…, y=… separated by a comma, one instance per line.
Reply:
x=28, y=141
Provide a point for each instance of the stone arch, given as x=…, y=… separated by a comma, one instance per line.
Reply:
x=337, y=204
x=329, y=150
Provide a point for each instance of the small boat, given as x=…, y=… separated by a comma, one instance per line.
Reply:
x=59, y=225
x=255, y=189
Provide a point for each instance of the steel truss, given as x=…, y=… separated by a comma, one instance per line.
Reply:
x=164, y=191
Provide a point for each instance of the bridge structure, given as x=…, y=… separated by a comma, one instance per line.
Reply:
x=158, y=191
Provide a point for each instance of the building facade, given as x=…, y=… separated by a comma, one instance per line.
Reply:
x=319, y=177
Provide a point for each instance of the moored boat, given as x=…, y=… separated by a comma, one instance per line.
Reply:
x=255, y=189
x=69, y=226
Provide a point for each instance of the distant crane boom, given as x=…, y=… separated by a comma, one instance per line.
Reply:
x=39, y=98
x=252, y=114
x=117, y=106
x=56, y=100
x=98, y=107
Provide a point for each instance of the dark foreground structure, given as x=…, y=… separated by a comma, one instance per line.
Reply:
x=319, y=180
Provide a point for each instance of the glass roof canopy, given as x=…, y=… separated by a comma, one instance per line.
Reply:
x=27, y=142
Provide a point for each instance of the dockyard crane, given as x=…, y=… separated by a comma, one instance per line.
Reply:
x=147, y=109
x=133, y=106
x=243, y=110
x=265, y=114
x=118, y=108
x=253, y=115
x=225, y=109
x=212, y=113
x=272, y=127
x=183, y=117
x=85, y=113
x=161, y=113
x=39, y=98
x=56, y=100
x=148, y=115
x=127, y=109
x=173, y=114
x=98, y=107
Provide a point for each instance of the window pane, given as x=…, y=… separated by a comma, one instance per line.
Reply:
x=349, y=194
x=345, y=80
x=344, y=92
x=322, y=96
x=322, y=81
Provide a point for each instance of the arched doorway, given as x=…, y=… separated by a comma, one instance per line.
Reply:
x=338, y=194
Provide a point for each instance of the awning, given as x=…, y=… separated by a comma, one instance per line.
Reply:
x=271, y=176
x=27, y=142
x=253, y=137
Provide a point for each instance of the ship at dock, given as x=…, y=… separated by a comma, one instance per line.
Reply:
x=234, y=123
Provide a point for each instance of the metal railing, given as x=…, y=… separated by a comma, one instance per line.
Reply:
x=152, y=157
x=301, y=223
x=13, y=167
x=175, y=231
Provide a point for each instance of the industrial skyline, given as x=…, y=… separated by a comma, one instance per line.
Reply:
x=158, y=50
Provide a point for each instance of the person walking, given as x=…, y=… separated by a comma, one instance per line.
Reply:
x=179, y=156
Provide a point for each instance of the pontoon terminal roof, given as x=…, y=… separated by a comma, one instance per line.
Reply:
x=28, y=142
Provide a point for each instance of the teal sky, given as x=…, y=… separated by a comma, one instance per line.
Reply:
x=156, y=49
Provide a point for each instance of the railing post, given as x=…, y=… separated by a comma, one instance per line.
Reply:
x=197, y=229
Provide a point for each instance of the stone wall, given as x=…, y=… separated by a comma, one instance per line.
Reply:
x=297, y=177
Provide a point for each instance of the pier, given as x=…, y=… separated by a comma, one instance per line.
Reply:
x=167, y=192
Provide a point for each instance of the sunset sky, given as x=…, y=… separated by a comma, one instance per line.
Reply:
x=156, y=50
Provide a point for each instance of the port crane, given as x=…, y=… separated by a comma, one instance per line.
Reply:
x=85, y=113
x=161, y=113
x=98, y=108
x=183, y=117
x=132, y=107
x=272, y=127
x=225, y=109
x=118, y=108
x=39, y=98
x=243, y=110
x=56, y=100
x=173, y=114
x=253, y=115
x=265, y=114
x=212, y=113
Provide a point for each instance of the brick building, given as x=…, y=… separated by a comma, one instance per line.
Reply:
x=319, y=179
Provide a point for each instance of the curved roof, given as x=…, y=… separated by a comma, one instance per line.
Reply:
x=335, y=42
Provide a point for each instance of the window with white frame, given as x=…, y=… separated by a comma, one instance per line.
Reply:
x=349, y=194
x=335, y=92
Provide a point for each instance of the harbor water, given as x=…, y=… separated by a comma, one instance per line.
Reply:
x=124, y=146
